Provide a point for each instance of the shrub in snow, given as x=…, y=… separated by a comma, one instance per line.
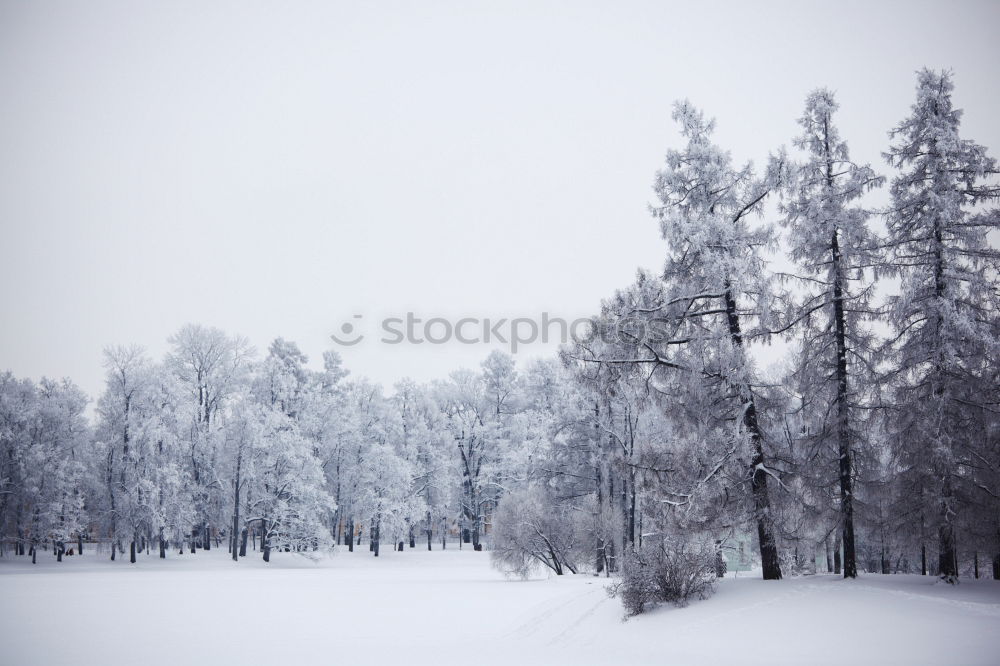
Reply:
x=532, y=530
x=666, y=570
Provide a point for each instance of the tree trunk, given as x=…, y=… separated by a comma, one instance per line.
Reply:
x=843, y=418
x=947, y=558
x=131, y=550
x=923, y=560
x=758, y=477
x=630, y=533
x=599, y=487
x=243, y=541
x=236, y=510
x=836, y=555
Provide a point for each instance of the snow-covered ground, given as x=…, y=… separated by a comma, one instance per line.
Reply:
x=450, y=607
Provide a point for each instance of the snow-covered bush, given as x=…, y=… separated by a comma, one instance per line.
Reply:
x=669, y=570
x=531, y=529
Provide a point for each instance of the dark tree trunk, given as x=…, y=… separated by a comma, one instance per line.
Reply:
x=947, y=558
x=236, y=518
x=599, y=554
x=350, y=535
x=836, y=556
x=206, y=539
x=630, y=533
x=243, y=541
x=79, y=544
x=163, y=546
x=233, y=536
x=923, y=560
x=758, y=477
x=843, y=416
x=555, y=563
x=131, y=551
x=720, y=561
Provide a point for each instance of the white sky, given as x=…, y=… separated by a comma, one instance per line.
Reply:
x=274, y=168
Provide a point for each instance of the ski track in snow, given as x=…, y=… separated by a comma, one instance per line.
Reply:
x=989, y=610
x=542, y=613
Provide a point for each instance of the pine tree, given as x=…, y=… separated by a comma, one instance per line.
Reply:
x=944, y=316
x=830, y=240
x=715, y=275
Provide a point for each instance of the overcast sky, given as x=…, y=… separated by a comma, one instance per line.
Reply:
x=276, y=168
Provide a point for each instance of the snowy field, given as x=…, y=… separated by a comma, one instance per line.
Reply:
x=451, y=607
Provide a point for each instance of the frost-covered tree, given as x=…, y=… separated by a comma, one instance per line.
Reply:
x=944, y=317
x=326, y=420
x=831, y=243
x=17, y=405
x=422, y=440
x=691, y=325
x=288, y=500
x=54, y=466
x=210, y=366
x=468, y=411
x=385, y=497
x=532, y=529
x=47, y=453
x=124, y=411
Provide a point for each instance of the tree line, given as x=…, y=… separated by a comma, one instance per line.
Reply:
x=874, y=445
